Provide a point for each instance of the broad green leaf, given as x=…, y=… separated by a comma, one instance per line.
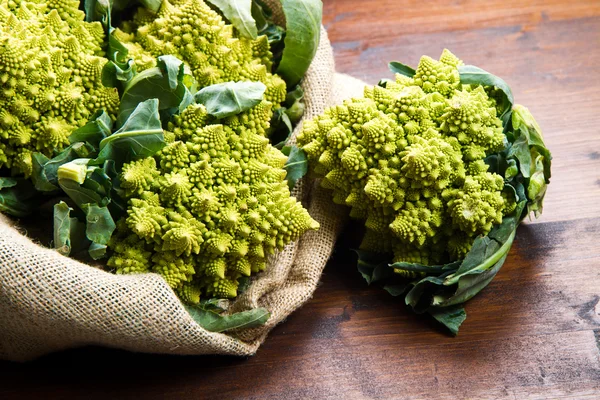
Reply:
x=8, y=182
x=296, y=165
x=45, y=171
x=261, y=15
x=402, y=69
x=62, y=228
x=450, y=317
x=97, y=251
x=415, y=296
x=163, y=82
x=69, y=232
x=230, y=98
x=239, y=14
x=97, y=10
x=536, y=190
x=303, y=31
x=520, y=151
x=140, y=136
x=511, y=170
x=483, y=256
x=99, y=223
x=294, y=104
x=115, y=75
x=483, y=247
x=535, y=152
x=18, y=196
x=397, y=289
x=79, y=194
x=281, y=128
x=472, y=75
x=373, y=266
x=173, y=68
x=94, y=131
x=470, y=285
x=214, y=322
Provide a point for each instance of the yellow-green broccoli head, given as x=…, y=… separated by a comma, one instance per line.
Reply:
x=408, y=159
x=211, y=206
x=50, y=78
x=198, y=35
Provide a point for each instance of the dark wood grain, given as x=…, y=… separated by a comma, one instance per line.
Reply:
x=533, y=333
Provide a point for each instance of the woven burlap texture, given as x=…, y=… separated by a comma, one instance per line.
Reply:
x=49, y=302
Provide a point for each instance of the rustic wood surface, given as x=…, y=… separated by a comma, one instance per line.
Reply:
x=533, y=333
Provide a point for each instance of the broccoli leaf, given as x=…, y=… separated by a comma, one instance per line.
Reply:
x=534, y=158
x=296, y=165
x=69, y=233
x=450, y=317
x=164, y=82
x=99, y=223
x=62, y=228
x=78, y=193
x=473, y=75
x=396, y=289
x=18, y=196
x=263, y=16
x=402, y=69
x=239, y=14
x=98, y=127
x=45, y=171
x=373, y=266
x=303, y=32
x=140, y=136
x=212, y=321
x=428, y=269
x=230, y=98
x=97, y=251
x=285, y=117
x=119, y=68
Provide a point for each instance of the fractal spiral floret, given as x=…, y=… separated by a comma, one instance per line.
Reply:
x=50, y=78
x=209, y=207
x=196, y=34
x=408, y=158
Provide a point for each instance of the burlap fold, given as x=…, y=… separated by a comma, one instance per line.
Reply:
x=49, y=302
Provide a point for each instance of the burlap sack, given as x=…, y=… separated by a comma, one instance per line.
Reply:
x=49, y=302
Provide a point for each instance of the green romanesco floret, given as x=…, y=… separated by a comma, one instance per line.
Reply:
x=50, y=78
x=210, y=207
x=408, y=159
x=198, y=35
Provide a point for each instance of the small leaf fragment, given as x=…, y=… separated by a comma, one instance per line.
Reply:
x=296, y=165
x=402, y=69
x=214, y=322
x=239, y=13
x=230, y=98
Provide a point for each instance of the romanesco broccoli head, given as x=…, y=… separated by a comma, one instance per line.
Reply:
x=50, y=78
x=198, y=35
x=408, y=159
x=210, y=207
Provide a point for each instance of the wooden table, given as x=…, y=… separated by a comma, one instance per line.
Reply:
x=534, y=332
